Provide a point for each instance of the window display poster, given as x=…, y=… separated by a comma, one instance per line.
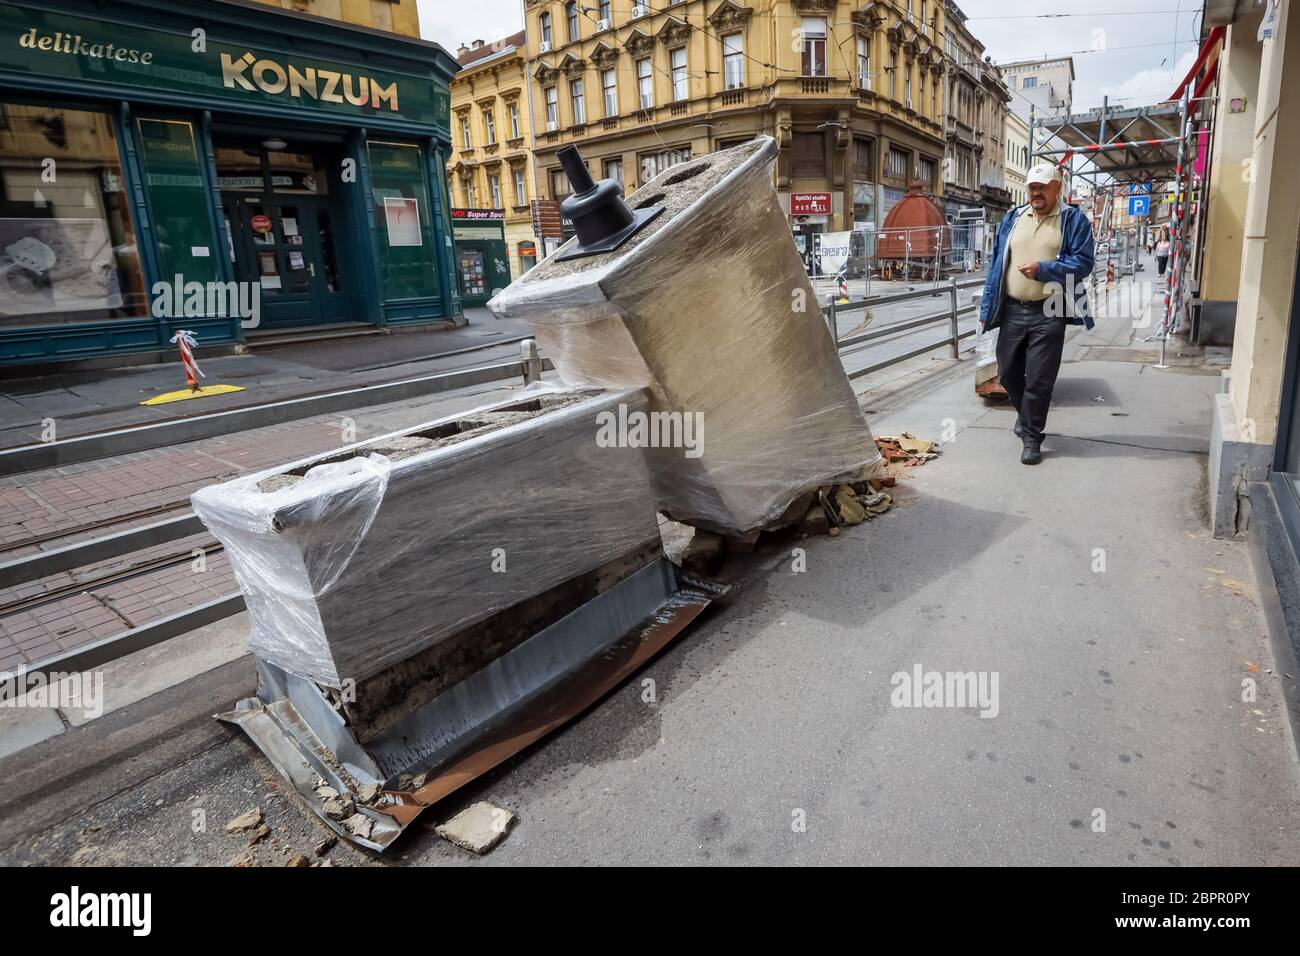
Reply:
x=403, y=217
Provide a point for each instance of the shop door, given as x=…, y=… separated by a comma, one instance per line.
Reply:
x=287, y=247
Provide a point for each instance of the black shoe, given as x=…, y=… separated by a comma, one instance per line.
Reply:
x=1020, y=432
x=1032, y=453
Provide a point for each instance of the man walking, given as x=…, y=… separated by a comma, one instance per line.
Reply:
x=1035, y=287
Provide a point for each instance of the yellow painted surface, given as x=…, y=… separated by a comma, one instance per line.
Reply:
x=393, y=16
x=203, y=392
x=1269, y=245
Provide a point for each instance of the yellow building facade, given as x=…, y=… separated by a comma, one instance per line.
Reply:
x=491, y=166
x=392, y=16
x=851, y=92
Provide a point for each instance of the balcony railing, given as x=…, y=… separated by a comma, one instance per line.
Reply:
x=734, y=97
x=815, y=84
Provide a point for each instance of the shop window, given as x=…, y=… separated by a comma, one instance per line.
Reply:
x=296, y=172
x=68, y=250
x=808, y=156
x=613, y=169
x=178, y=200
x=401, y=193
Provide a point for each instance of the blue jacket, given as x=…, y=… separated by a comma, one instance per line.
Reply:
x=1068, y=270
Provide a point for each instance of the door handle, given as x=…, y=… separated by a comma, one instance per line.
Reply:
x=311, y=267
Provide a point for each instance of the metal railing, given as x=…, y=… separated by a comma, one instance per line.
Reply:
x=952, y=314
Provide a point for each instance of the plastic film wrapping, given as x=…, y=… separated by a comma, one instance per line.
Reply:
x=710, y=308
x=353, y=561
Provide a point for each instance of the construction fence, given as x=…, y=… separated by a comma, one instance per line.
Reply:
x=918, y=253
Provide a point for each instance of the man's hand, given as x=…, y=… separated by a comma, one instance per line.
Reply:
x=1029, y=270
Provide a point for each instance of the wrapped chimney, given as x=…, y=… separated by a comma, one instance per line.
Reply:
x=698, y=294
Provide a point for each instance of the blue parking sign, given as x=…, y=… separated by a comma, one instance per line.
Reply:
x=1139, y=205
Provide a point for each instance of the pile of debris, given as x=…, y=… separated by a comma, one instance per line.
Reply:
x=906, y=449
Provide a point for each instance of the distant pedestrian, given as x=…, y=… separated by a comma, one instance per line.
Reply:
x=1034, y=289
x=1162, y=254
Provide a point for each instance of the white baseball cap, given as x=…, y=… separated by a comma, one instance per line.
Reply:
x=1044, y=173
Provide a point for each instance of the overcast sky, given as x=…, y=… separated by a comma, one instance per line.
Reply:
x=1147, y=45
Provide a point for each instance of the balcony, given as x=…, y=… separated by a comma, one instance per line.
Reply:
x=735, y=97
x=680, y=108
x=609, y=123
x=815, y=85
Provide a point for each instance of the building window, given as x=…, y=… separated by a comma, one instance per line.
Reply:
x=571, y=18
x=893, y=76
x=808, y=156
x=466, y=134
x=681, y=82
x=521, y=188
x=645, y=84
x=544, y=28
x=907, y=86
x=897, y=163
x=925, y=171
x=613, y=169
x=864, y=63
x=490, y=126
x=579, y=101
x=71, y=249
x=814, y=46
x=552, y=108
x=515, y=131
x=1030, y=82
x=604, y=11
x=733, y=60
x=559, y=184
x=471, y=198
x=494, y=187
x=609, y=87
x=652, y=164
x=863, y=170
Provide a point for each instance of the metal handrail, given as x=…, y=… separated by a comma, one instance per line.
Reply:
x=952, y=314
x=870, y=301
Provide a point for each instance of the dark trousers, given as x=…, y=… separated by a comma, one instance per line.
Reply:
x=1161, y=262
x=1029, y=356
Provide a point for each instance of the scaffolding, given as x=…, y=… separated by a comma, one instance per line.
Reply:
x=1115, y=149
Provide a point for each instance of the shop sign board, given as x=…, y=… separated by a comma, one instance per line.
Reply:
x=810, y=204
x=39, y=42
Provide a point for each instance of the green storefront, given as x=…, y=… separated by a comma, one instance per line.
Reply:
x=223, y=167
x=482, y=260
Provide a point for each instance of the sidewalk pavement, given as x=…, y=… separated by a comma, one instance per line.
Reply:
x=87, y=401
x=1119, y=630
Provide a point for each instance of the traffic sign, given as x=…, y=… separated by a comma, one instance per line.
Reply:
x=1139, y=206
x=1139, y=189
